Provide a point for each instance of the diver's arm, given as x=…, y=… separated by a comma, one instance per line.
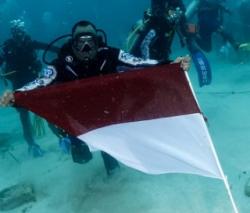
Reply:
x=129, y=61
x=183, y=24
x=126, y=59
x=47, y=77
x=43, y=46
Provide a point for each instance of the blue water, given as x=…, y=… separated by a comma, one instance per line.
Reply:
x=64, y=187
x=47, y=19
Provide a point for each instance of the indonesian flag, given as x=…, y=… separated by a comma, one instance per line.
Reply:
x=147, y=119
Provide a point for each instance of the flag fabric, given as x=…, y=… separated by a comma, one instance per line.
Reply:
x=147, y=119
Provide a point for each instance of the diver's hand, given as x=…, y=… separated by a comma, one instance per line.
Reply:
x=7, y=99
x=184, y=62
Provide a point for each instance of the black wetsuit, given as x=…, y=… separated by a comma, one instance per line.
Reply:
x=68, y=68
x=210, y=20
x=108, y=60
x=22, y=66
x=162, y=26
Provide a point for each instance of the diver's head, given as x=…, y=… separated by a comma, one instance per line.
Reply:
x=85, y=41
x=17, y=29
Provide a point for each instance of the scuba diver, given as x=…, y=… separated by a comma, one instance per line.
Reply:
x=20, y=67
x=153, y=36
x=86, y=54
x=210, y=15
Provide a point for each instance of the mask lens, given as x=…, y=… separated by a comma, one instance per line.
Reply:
x=17, y=33
x=85, y=43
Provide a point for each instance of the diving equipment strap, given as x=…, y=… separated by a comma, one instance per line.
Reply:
x=8, y=73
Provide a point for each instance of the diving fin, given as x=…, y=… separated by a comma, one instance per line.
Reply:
x=202, y=65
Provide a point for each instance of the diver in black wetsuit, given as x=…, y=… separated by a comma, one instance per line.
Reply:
x=153, y=36
x=210, y=15
x=20, y=67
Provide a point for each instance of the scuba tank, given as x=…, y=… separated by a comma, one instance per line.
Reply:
x=191, y=9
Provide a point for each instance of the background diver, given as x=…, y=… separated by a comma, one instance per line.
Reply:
x=19, y=66
x=152, y=37
x=210, y=18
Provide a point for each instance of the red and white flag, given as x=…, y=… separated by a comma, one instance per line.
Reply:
x=147, y=119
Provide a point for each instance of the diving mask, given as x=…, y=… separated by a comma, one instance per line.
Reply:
x=84, y=43
x=85, y=46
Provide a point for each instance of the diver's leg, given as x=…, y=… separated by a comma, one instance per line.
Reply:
x=79, y=150
x=204, y=36
x=110, y=163
x=228, y=37
x=204, y=42
x=64, y=141
x=26, y=126
x=34, y=148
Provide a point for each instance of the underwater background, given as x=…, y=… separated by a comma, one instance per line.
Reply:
x=65, y=187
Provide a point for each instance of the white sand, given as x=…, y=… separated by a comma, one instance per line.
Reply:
x=65, y=187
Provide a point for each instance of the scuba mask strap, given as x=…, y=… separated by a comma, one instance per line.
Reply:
x=102, y=37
